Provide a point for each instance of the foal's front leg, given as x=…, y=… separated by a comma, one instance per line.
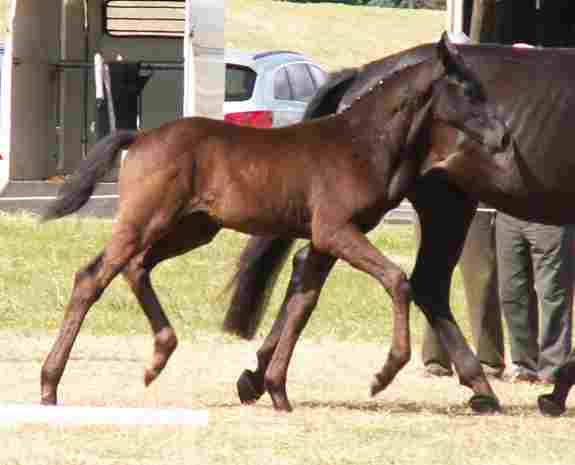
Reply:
x=351, y=245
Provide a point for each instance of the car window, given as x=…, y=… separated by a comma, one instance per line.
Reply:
x=282, y=89
x=319, y=76
x=240, y=82
x=301, y=81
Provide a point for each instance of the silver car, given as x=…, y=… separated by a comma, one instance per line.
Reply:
x=269, y=89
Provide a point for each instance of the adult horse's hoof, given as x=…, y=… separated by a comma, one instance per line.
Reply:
x=485, y=405
x=549, y=407
x=247, y=385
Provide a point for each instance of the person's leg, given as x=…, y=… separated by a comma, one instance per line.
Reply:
x=552, y=262
x=433, y=354
x=478, y=265
x=515, y=290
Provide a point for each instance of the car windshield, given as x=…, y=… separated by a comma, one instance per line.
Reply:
x=240, y=82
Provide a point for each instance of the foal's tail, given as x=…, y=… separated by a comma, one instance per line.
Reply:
x=258, y=268
x=76, y=191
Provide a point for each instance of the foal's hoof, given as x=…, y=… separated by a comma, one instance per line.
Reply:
x=549, y=407
x=48, y=401
x=485, y=405
x=150, y=375
x=378, y=384
x=248, y=391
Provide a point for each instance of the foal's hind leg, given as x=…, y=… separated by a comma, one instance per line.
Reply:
x=445, y=215
x=302, y=301
x=189, y=233
x=251, y=383
x=89, y=284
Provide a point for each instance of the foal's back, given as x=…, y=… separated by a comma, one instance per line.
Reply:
x=236, y=174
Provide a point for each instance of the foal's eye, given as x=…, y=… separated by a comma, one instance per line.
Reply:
x=473, y=93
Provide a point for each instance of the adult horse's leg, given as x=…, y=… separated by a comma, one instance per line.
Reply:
x=445, y=214
x=89, y=284
x=554, y=404
x=251, y=383
x=188, y=233
x=303, y=295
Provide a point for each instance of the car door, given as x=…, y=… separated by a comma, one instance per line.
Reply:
x=294, y=87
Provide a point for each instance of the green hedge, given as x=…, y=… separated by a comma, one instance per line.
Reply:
x=430, y=4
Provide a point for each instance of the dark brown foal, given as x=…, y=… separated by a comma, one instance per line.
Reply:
x=329, y=180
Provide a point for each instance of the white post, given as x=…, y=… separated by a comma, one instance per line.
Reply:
x=454, y=16
x=189, y=71
x=204, y=72
x=6, y=99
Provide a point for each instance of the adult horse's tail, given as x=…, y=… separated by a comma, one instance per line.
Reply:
x=263, y=257
x=258, y=267
x=76, y=191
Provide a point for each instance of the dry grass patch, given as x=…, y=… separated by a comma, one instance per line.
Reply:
x=334, y=35
x=416, y=421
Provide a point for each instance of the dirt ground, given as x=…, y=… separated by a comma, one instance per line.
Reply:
x=108, y=371
x=328, y=385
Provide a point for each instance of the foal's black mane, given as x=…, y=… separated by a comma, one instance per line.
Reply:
x=368, y=76
x=328, y=96
x=345, y=86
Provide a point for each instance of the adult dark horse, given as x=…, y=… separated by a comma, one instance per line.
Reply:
x=329, y=180
x=535, y=92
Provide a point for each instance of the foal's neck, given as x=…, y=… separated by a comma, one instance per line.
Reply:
x=383, y=118
x=393, y=101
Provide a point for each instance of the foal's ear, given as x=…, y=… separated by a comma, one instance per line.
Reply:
x=450, y=57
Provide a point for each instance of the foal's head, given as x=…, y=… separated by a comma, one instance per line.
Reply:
x=459, y=100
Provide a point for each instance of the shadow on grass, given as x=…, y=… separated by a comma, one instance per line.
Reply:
x=395, y=408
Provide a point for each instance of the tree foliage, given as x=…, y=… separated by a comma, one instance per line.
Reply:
x=430, y=4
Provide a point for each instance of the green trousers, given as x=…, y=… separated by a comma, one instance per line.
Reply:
x=536, y=256
x=478, y=266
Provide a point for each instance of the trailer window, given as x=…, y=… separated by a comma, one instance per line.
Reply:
x=128, y=18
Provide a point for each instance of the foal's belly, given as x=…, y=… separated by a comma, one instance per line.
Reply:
x=262, y=213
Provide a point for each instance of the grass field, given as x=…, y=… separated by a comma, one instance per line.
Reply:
x=415, y=421
x=335, y=36
x=38, y=275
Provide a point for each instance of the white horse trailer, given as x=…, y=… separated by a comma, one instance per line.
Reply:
x=164, y=60
x=454, y=17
